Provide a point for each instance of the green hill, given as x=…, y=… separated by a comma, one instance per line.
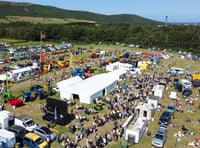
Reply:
x=28, y=12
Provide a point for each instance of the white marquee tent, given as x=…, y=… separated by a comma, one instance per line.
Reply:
x=89, y=89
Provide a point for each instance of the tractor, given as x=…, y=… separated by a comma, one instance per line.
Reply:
x=40, y=94
x=27, y=96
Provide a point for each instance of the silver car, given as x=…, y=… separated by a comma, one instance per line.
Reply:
x=43, y=132
x=160, y=138
x=171, y=108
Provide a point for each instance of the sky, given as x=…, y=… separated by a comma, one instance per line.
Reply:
x=176, y=10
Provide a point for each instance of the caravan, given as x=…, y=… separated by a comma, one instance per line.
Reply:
x=17, y=75
x=174, y=70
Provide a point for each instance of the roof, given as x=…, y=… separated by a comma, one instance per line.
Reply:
x=69, y=81
x=32, y=136
x=7, y=134
x=93, y=84
x=23, y=117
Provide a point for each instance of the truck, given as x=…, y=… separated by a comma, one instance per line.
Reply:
x=7, y=139
x=7, y=118
x=26, y=122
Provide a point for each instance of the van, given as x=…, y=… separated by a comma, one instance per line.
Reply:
x=186, y=84
x=34, y=141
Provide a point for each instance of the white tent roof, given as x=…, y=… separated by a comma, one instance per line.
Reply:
x=69, y=81
x=93, y=84
x=116, y=73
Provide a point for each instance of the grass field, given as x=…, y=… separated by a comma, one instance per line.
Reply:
x=32, y=108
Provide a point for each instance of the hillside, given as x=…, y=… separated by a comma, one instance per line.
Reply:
x=20, y=10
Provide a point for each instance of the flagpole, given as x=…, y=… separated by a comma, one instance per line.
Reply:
x=41, y=39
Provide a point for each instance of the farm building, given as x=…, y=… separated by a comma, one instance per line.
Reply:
x=89, y=89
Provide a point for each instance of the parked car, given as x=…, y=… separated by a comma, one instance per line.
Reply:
x=20, y=132
x=186, y=93
x=171, y=108
x=160, y=138
x=43, y=132
x=34, y=141
x=165, y=118
x=186, y=84
x=176, y=80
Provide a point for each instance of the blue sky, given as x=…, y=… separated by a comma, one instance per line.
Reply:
x=176, y=10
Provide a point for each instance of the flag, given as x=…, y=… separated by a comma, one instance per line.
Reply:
x=43, y=36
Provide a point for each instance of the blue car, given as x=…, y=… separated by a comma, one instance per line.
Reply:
x=165, y=118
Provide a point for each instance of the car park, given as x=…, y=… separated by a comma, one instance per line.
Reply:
x=43, y=132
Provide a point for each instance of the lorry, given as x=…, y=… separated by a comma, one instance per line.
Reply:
x=7, y=139
x=7, y=118
x=26, y=122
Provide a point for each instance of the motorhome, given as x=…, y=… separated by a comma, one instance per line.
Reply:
x=174, y=70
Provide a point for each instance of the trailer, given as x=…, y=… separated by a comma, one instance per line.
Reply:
x=134, y=128
x=7, y=139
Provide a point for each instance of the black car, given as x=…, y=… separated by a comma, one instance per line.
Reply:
x=165, y=118
x=19, y=133
x=179, y=87
x=176, y=80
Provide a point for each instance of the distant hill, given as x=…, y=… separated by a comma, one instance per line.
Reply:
x=11, y=11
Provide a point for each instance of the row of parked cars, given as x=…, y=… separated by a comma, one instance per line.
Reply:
x=161, y=134
x=24, y=132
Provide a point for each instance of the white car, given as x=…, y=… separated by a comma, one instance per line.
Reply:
x=186, y=84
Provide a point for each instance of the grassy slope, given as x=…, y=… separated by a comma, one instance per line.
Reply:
x=26, y=9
